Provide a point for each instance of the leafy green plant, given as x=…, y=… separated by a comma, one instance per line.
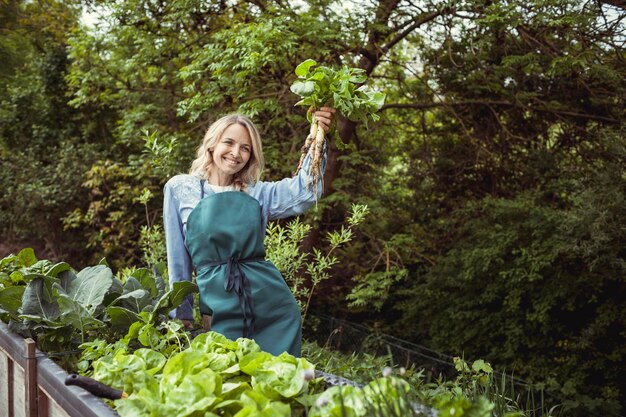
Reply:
x=283, y=249
x=213, y=375
x=156, y=360
x=282, y=245
x=342, y=89
x=473, y=379
x=167, y=337
x=475, y=389
x=152, y=244
x=358, y=367
x=238, y=379
x=386, y=396
x=62, y=308
x=372, y=288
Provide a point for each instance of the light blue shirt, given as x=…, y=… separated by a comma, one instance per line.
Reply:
x=278, y=199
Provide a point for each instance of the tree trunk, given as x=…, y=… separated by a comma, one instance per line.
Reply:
x=346, y=129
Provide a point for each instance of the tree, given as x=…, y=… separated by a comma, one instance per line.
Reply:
x=525, y=118
x=42, y=148
x=482, y=175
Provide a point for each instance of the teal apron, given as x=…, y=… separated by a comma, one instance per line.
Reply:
x=245, y=294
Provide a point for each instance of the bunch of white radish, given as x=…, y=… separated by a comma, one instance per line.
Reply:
x=342, y=89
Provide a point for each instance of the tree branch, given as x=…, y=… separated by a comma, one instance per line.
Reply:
x=617, y=3
x=503, y=103
x=419, y=106
x=417, y=23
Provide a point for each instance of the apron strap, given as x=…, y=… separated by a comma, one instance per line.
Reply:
x=202, y=188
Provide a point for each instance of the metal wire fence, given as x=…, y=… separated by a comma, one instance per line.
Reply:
x=344, y=336
x=348, y=337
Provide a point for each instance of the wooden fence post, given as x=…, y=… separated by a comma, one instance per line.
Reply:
x=10, y=381
x=30, y=378
x=42, y=403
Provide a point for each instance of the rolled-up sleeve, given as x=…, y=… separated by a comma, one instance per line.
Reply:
x=179, y=266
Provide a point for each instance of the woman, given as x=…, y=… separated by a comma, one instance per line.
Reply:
x=215, y=220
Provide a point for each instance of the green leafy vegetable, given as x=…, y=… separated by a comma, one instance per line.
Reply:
x=342, y=89
x=213, y=376
x=324, y=86
x=60, y=307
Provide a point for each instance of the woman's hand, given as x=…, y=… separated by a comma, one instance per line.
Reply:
x=206, y=322
x=325, y=116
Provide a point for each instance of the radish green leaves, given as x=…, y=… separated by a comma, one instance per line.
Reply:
x=342, y=89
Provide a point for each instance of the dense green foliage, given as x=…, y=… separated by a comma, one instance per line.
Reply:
x=211, y=375
x=61, y=308
x=305, y=272
x=494, y=177
x=46, y=145
x=116, y=332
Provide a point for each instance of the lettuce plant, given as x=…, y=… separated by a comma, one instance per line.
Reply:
x=213, y=376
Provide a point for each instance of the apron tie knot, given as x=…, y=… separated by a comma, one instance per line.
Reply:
x=237, y=281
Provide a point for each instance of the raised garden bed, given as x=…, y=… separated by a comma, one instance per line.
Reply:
x=32, y=385
x=62, y=309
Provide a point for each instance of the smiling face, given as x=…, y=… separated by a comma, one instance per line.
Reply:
x=230, y=155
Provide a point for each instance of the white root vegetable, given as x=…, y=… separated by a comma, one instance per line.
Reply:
x=313, y=145
x=316, y=157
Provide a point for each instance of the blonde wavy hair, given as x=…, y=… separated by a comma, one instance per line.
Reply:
x=249, y=174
